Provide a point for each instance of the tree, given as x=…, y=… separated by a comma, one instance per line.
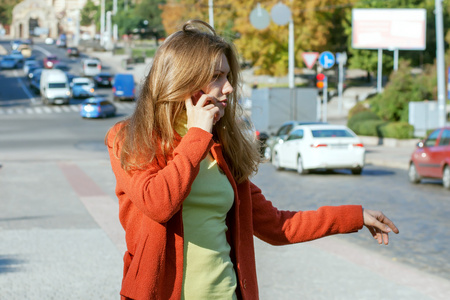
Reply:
x=6, y=10
x=88, y=13
x=403, y=87
x=149, y=12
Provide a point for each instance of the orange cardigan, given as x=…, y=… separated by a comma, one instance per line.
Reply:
x=150, y=203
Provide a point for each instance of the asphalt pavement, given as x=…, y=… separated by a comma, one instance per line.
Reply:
x=41, y=258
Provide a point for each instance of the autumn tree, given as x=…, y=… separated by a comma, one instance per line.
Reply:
x=6, y=8
x=317, y=27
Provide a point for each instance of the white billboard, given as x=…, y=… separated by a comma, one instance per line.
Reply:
x=398, y=28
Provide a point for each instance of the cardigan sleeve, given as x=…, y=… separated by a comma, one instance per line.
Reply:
x=159, y=190
x=279, y=227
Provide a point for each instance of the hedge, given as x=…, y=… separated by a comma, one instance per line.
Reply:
x=368, y=124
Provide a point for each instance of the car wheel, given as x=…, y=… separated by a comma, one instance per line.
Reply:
x=276, y=161
x=413, y=176
x=300, y=169
x=446, y=177
x=357, y=171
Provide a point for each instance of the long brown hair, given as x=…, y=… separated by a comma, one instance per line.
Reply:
x=183, y=64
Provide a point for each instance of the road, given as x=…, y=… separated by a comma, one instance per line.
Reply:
x=39, y=209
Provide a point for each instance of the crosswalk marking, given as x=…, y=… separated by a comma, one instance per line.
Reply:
x=54, y=109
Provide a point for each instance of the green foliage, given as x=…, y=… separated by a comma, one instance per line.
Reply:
x=6, y=7
x=88, y=13
x=403, y=87
x=359, y=107
x=397, y=130
x=365, y=122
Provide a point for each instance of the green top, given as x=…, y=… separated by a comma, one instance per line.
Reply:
x=208, y=271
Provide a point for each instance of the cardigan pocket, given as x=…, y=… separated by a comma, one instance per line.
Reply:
x=129, y=284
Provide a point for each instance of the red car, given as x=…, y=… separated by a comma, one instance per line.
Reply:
x=431, y=159
x=50, y=61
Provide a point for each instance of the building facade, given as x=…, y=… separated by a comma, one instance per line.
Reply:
x=48, y=18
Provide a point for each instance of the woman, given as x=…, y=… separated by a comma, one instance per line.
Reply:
x=182, y=163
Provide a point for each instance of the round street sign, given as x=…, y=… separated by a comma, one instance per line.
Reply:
x=259, y=18
x=326, y=59
x=281, y=14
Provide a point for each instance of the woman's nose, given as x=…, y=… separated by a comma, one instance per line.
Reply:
x=227, y=88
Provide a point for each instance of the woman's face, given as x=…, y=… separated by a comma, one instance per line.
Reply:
x=220, y=87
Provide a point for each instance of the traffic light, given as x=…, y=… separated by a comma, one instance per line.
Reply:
x=320, y=80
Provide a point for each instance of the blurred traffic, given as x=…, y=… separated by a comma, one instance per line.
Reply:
x=57, y=73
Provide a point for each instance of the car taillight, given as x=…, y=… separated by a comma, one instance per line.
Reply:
x=257, y=134
x=358, y=145
x=318, y=145
x=99, y=108
x=99, y=67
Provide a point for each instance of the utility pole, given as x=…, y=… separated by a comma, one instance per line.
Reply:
x=102, y=21
x=211, y=13
x=440, y=62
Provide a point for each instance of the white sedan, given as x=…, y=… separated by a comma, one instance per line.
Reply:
x=309, y=147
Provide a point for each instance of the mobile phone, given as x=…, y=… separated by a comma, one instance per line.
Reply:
x=196, y=97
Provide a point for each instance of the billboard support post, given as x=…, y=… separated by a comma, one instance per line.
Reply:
x=395, y=59
x=380, y=71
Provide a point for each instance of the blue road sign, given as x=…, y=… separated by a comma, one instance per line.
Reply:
x=326, y=59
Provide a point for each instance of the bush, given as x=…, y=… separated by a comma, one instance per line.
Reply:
x=359, y=107
x=362, y=116
x=398, y=130
x=370, y=127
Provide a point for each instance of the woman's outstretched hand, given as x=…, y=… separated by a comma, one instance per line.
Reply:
x=379, y=225
x=202, y=114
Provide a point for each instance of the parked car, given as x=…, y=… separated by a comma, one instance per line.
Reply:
x=8, y=62
x=123, y=87
x=280, y=135
x=73, y=51
x=91, y=67
x=321, y=146
x=97, y=107
x=103, y=79
x=431, y=159
x=50, y=61
x=54, y=87
x=82, y=87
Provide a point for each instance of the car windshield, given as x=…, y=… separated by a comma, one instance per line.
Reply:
x=57, y=85
x=92, y=65
x=331, y=133
x=80, y=83
x=8, y=59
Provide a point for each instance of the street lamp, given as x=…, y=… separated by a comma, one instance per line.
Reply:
x=281, y=15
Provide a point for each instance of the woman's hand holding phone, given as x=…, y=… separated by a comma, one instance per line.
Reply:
x=201, y=111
